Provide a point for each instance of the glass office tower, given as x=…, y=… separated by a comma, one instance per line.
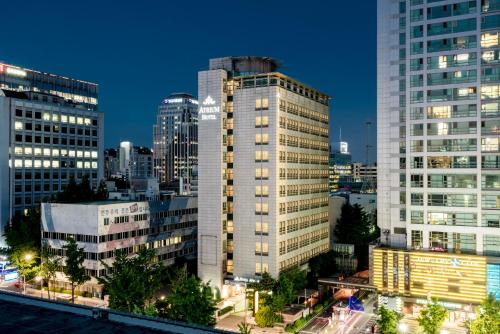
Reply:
x=438, y=158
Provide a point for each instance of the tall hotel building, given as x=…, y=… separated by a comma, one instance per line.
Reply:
x=438, y=150
x=50, y=131
x=175, y=139
x=263, y=171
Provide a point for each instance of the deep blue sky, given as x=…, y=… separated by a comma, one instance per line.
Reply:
x=140, y=51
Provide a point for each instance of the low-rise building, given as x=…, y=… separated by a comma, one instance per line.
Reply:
x=102, y=228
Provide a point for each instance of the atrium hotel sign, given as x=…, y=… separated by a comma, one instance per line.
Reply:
x=208, y=109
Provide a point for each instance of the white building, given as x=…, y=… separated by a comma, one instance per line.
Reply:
x=135, y=161
x=102, y=228
x=263, y=170
x=438, y=117
x=50, y=131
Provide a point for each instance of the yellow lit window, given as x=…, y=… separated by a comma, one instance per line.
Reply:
x=46, y=116
x=79, y=120
x=261, y=121
x=37, y=163
x=28, y=163
x=72, y=119
x=55, y=118
x=46, y=164
x=18, y=125
x=18, y=150
x=489, y=39
x=28, y=151
x=64, y=119
x=38, y=151
x=46, y=152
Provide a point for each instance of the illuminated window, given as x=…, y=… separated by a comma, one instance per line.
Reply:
x=55, y=164
x=87, y=154
x=38, y=151
x=490, y=144
x=94, y=154
x=490, y=92
x=79, y=154
x=79, y=164
x=262, y=208
x=261, y=190
x=79, y=120
x=261, y=121
x=64, y=119
x=261, y=227
x=18, y=125
x=72, y=154
x=86, y=164
x=55, y=118
x=55, y=152
x=72, y=119
x=37, y=163
x=262, y=103
x=261, y=155
x=28, y=151
x=87, y=121
x=261, y=138
x=46, y=116
x=489, y=39
x=261, y=247
x=18, y=150
x=261, y=173
x=28, y=163
x=46, y=163
x=18, y=163
x=94, y=164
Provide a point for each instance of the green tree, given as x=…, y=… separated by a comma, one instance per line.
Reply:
x=244, y=328
x=24, y=230
x=431, y=317
x=265, y=316
x=387, y=320
x=487, y=317
x=74, y=269
x=102, y=192
x=322, y=265
x=188, y=291
x=49, y=266
x=25, y=259
x=356, y=227
x=133, y=281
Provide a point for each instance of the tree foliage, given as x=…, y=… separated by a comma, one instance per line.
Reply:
x=322, y=265
x=82, y=192
x=265, y=316
x=190, y=300
x=24, y=230
x=133, y=281
x=431, y=317
x=49, y=266
x=387, y=320
x=356, y=227
x=25, y=259
x=487, y=317
x=73, y=268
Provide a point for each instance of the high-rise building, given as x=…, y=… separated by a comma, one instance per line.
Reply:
x=340, y=168
x=111, y=163
x=438, y=149
x=135, y=161
x=263, y=170
x=175, y=141
x=50, y=131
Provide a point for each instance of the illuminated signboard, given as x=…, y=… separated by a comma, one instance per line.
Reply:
x=208, y=110
x=179, y=100
x=17, y=72
x=344, y=147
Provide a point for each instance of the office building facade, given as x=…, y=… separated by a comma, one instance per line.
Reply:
x=340, y=169
x=263, y=171
x=175, y=140
x=102, y=228
x=50, y=131
x=438, y=140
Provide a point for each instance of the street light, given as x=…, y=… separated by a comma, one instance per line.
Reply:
x=402, y=327
x=27, y=258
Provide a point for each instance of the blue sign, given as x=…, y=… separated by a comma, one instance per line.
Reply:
x=355, y=304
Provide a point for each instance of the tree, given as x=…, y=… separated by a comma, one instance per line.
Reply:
x=132, y=281
x=102, y=192
x=356, y=227
x=74, y=269
x=387, y=320
x=187, y=291
x=49, y=267
x=24, y=230
x=431, y=317
x=244, y=328
x=322, y=265
x=265, y=316
x=487, y=317
x=25, y=259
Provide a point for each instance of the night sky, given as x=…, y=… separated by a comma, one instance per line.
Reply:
x=141, y=51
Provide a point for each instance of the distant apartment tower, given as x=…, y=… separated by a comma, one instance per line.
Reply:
x=111, y=162
x=175, y=140
x=50, y=131
x=135, y=161
x=263, y=171
x=438, y=148
x=340, y=168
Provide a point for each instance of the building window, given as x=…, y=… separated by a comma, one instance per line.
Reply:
x=261, y=121
x=262, y=104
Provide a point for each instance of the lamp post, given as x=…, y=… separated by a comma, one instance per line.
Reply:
x=27, y=258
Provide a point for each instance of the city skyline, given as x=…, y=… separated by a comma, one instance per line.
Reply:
x=139, y=53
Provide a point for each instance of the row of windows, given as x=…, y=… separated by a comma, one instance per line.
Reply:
x=302, y=189
x=54, y=152
x=301, y=142
x=304, y=112
x=29, y=163
x=302, y=173
x=19, y=138
x=302, y=127
x=51, y=174
x=55, y=117
x=303, y=257
x=302, y=205
x=300, y=223
x=303, y=158
x=487, y=162
x=489, y=144
x=37, y=127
